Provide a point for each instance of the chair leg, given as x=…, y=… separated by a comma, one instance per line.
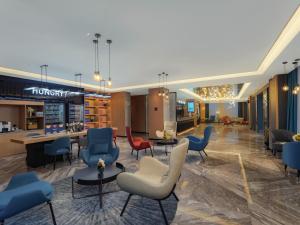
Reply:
x=285, y=167
x=175, y=196
x=137, y=155
x=52, y=213
x=69, y=158
x=163, y=212
x=205, y=152
x=131, y=151
x=151, y=151
x=201, y=156
x=298, y=175
x=78, y=153
x=126, y=203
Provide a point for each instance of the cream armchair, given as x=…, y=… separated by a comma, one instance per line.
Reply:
x=154, y=179
x=170, y=127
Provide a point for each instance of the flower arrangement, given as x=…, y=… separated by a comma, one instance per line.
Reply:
x=168, y=135
x=100, y=165
x=296, y=137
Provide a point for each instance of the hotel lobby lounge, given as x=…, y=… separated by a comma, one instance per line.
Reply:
x=149, y=112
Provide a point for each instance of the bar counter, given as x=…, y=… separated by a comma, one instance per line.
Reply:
x=185, y=124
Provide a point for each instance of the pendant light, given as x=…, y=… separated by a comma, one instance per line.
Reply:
x=44, y=68
x=285, y=87
x=109, y=82
x=159, y=78
x=296, y=89
x=97, y=75
x=78, y=79
x=166, y=86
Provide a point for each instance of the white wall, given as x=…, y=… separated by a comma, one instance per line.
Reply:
x=224, y=109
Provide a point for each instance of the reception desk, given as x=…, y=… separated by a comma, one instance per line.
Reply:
x=35, y=145
x=185, y=124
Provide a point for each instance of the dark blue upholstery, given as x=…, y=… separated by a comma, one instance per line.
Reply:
x=291, y=155
x=60, y=146
x=99, y=146
x=23, y=192
x=199, y=144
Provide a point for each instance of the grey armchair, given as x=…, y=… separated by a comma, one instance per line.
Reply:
x=278, y=138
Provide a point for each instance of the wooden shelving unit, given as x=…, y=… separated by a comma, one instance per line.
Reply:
x=97, y=112
x=34, y=117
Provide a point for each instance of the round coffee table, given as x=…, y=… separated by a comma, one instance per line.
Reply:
x=90, y=176
x=166, y=143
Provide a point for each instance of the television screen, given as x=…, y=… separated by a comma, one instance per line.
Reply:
x=191, y=107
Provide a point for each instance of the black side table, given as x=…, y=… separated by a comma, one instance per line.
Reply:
x=90, y=176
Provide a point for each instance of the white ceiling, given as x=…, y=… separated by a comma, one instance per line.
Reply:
x=187, y=39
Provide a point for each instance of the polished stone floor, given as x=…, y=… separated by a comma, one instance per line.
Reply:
x=239, y=182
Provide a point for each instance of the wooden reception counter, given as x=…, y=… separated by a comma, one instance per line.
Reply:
x=35, y=145
x=46, y=137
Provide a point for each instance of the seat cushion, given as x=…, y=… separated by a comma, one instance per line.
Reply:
x=100, y=148
x=60, y=151
x=6, y=196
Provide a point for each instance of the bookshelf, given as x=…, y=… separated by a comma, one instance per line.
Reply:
x=97, y=112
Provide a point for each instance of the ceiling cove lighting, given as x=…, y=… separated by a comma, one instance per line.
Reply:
x=289, y=32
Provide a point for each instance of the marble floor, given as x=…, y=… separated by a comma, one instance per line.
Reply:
x=239, y=182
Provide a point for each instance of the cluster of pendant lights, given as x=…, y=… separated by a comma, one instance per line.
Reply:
x=163, y=83
x=285, y=87
x=97, y=76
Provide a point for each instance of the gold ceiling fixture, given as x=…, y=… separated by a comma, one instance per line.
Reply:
x=227, y=91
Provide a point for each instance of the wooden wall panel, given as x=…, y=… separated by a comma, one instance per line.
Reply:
x=138, y=113
x=155, y=112
x=119, y=111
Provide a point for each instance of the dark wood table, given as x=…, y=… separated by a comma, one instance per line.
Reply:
x=166, y=143
x=90, y=176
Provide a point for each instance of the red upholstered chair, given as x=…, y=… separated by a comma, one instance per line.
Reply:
x=137, y=143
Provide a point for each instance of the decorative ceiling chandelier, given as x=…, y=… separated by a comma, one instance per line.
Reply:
x=217, y=92
x=97, y=75
x=163, y=85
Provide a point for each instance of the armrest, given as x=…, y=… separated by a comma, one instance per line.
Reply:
x=193, y=138
x=149, y=165
x=22, y=179
x=115, y=152
x=138, y=139
x=25, y=201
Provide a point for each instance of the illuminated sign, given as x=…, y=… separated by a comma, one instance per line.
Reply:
x=51, y=92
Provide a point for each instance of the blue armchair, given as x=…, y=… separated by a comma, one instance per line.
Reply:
x=199, y=144
x=23, y=192
x=291, y=156
x=60, y=146
x=99, y=145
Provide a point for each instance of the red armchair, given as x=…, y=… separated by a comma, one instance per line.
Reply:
x=137, y=143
